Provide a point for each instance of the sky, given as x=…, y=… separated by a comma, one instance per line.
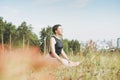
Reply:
x=80, y=19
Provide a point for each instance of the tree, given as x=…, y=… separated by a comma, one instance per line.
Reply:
x=2, y=31
x=34, y=41
x=75, y=46
x=11, y=35
x=29, y=34
x=45, y=35
x=28, y=37
x=9, y=31
x=24, y=32
x=65, y=45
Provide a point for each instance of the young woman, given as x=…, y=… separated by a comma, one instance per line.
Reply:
x=56, y=48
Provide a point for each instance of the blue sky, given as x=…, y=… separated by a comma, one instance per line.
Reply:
x=80, y=19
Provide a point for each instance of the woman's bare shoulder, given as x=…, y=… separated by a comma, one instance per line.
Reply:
x=52, y=39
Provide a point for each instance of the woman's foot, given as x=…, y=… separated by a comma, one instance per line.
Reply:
x=72, y=64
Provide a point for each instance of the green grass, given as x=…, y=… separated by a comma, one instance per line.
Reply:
x=95, y=66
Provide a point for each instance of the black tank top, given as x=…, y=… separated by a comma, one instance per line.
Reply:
x=58, y=46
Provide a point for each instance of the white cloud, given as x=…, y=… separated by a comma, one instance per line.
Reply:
x=79, y=3
x=45, y=1
x=69, y=3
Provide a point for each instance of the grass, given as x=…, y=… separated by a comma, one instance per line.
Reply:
x=29, y=65
x=95, y=66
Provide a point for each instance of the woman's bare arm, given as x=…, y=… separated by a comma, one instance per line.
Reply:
x=64, y=55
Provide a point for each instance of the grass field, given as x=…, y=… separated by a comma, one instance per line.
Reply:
x=28, y=64
x=95, y=66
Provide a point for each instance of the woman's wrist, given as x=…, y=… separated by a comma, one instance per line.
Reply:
x=60, y=60
x=68, y=59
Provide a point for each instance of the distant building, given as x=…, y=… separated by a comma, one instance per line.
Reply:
x=100, y=45
x=118, y=42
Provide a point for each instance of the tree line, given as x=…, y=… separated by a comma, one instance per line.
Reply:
x=17, y=36
x=22, y=35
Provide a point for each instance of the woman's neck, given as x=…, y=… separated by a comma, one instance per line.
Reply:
x=57, y=36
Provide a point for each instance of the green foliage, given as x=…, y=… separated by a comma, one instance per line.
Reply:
x=34, y=41
x=75, y=46
x=65, y=45
x=2, y=26
x=45, y=35
x=26, y=36
x=9, y=30
x=20, y=36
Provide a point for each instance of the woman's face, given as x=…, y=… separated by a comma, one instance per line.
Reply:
x=59, y=31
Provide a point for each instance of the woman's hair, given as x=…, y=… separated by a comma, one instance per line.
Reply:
x=55, y=27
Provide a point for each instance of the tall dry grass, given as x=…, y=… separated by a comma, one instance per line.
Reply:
x=25, y=64
x=29, y=64
x=95, y=66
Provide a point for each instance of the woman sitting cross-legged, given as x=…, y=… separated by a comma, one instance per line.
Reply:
x=56, y=48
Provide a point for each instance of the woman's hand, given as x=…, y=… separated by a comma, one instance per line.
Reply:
x=69, y=61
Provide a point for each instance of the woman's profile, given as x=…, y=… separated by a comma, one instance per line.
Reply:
x=56, y=48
